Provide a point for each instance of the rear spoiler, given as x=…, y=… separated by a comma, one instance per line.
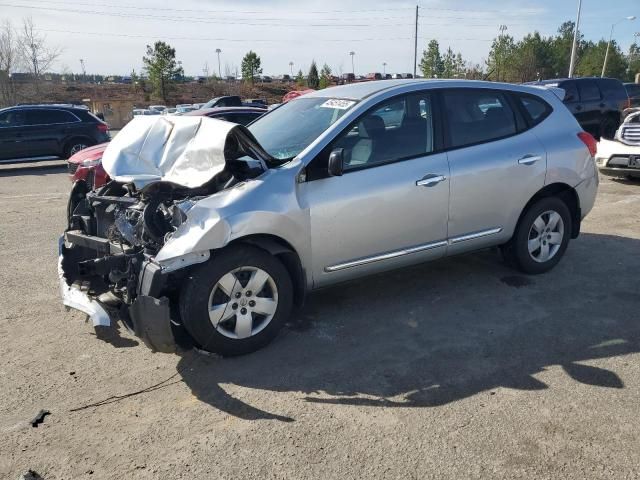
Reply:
x=557, y=91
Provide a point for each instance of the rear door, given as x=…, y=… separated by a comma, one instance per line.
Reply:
x=47, y=129
x=496, y=166
x=592, y=104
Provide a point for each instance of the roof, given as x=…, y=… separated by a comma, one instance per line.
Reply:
x=360, y=90
x=221, y=110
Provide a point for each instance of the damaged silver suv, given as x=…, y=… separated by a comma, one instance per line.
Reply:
x=219, y=229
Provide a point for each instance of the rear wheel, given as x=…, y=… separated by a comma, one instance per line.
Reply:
x=608, y=128
x=75, y=145
x=237, y=302
x=541, y=237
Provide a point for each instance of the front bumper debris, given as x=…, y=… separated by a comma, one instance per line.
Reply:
x=147, y=317
x=74, y=297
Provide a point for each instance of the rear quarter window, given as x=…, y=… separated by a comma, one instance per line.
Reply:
x=612, y=88
x=536, y=108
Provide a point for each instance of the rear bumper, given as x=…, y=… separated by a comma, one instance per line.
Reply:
x=620, y=172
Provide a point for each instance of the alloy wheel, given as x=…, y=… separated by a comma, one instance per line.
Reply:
x=243, y=302
x=77, y=147
x=545, y=236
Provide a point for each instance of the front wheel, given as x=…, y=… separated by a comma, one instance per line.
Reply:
x=541, y=237
x=237, y=302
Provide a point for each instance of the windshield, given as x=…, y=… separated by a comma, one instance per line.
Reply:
x=289, y=129
x=211, y=102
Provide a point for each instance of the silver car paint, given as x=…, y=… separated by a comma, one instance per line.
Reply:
x=376, y=219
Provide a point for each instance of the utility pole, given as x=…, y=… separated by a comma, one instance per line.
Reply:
x=502, y=29
x=291, y=68
x=574, y=47
x=219, y=71
x=353, y=68
x=384, y=69
x=415, y=46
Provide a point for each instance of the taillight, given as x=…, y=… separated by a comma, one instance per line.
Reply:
x=589, y=141
x=103, y=127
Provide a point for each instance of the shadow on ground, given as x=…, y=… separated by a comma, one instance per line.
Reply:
x=442, y=332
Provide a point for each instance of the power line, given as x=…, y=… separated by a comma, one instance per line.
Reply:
x=198, y=20
x=218, y=12
x=209, y=39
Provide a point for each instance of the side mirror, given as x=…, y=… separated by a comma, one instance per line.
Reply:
x=336, y=163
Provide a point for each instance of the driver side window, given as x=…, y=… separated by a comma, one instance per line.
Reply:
x=400, y=128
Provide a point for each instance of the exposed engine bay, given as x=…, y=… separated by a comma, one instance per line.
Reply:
x=107, y=266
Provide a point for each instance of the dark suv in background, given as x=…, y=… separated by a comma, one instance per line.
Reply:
x=633, y=90
x=48, y=130
x=597, y=103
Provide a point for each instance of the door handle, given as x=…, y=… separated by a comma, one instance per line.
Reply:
x=430, y=180
x=529, y=159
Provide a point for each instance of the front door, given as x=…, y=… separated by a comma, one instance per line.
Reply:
x=389, y=208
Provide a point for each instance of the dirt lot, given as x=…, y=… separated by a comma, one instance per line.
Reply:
x=457, y=369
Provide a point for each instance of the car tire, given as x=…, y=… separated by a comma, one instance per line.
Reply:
x=221, y=323
x=541, y=237
x=608, y=127
x=74, y=145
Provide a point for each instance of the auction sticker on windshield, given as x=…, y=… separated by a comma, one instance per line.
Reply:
x=338, y=103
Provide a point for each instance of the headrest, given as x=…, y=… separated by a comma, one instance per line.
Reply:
x=370, y=126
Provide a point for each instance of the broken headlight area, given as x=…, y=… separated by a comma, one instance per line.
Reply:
x=109, y=247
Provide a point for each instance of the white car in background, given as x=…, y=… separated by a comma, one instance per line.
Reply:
x=620, y=157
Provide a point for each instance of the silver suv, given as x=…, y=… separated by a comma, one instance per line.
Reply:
x=223, y=240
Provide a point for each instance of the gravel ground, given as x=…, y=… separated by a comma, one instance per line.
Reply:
x=456, y=369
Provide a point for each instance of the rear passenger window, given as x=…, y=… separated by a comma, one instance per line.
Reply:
x=611, y=88
x=47, y=117
x=537, y=108
x=588, y=91
x=477, y=116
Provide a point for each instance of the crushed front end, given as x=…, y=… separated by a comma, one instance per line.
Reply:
x=107, y=254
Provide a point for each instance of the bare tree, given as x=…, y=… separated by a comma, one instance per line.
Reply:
x=9, y=60
x=38, y=56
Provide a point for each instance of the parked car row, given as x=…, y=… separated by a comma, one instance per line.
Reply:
x=36, y=131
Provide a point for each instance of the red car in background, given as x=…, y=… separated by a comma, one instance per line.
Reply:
x=86, y=165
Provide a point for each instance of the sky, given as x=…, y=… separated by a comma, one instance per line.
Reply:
x=111, y=35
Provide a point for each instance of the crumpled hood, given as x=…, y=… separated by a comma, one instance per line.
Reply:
x=184, y=150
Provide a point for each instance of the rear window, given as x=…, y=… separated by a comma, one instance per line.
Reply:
x=588, y=91
x=612, y=88
x=633, y=90
x=536, y=108
x=477, y=116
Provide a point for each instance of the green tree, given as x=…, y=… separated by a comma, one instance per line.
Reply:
x=300, y=78
x=251, y=66
x=431, y=63
x=500, y=61
x=533, y=58
x=460, y=66
x=449, y=64
x=561, y=46
x=633, y=60
x=590, y=64
x=325, y=76
x=313, y=80
x=162, y=69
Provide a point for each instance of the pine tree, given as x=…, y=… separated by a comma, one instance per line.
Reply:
x=313, y=80
x=431, y=64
